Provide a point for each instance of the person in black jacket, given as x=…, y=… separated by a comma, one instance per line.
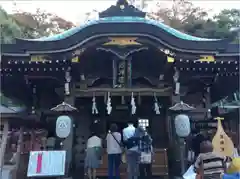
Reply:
x=146, y=151
x=196, y=142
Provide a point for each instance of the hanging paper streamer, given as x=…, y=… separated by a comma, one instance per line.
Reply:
x=94, y=106
x=109, y=105
x=133, y=104
x=156, y=106
x=176, y=81
x=177, y=88
x=68, y=80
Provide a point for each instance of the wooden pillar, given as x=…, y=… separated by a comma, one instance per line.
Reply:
x=18, y=152
x=238, y=131
x=3, y=143
x=67, y=144
x=32, y=138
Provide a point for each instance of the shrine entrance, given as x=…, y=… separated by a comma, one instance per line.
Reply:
x=121, y=114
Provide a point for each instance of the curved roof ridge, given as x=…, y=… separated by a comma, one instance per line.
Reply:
x=125, y=19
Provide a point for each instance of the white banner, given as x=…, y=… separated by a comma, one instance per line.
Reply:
x=46, y=163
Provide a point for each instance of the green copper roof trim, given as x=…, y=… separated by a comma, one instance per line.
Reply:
x=229, y=102
x=124, y=20
x=9, y=102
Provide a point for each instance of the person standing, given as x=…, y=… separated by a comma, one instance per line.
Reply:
x=210, y=165
x=93, y=155
x=131, y=139
x=146, y=152
x=114, y=151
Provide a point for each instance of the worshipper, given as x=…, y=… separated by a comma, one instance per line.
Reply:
x=114, y=151
x=93, y=155
x=210, y=164
x=198, y=138
x=131, y=139
x=51, y=141
x=146, y=151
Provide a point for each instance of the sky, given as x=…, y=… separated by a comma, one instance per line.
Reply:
x=75, y=10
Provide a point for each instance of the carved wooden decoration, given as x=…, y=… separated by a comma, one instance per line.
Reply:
x=76, y=54
x=221, y=142
x=206, y=58
x=167, y=52
x=122, y=41
x=40, y=58
x=120, y=52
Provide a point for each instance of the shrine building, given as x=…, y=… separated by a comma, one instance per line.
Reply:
x=121, y=67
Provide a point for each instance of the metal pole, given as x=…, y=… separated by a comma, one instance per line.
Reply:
x=182, y=155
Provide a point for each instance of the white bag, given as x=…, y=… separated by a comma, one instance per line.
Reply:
x=191, y=156
x=146, y=158
x=235, y=153
x=190, y=174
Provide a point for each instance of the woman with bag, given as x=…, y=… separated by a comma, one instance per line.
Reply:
x=114, y=151
x=146, y=151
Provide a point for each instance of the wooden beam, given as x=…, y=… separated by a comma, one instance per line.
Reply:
x=18, y=153
x=123, y=91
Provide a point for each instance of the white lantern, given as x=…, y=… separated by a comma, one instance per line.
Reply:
x=63, y=126
x=182, y=125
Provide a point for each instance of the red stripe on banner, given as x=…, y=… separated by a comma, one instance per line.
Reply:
x=39, y=163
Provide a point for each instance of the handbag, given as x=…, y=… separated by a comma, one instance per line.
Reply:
x=99, y=152
x=146, y=157
x=123, y=157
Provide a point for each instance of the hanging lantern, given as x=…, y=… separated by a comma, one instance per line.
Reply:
x=182, y=125
x=63, y=126
x=133, y=105
x=109, y=105
x=94, y=106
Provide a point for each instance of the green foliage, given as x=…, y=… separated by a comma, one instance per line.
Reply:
x=184, y=16
x=31, y=25
x=9, y=27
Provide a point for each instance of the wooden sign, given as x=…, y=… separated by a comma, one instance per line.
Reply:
x=122, y=41
x=46, y=163
x=221, y=142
